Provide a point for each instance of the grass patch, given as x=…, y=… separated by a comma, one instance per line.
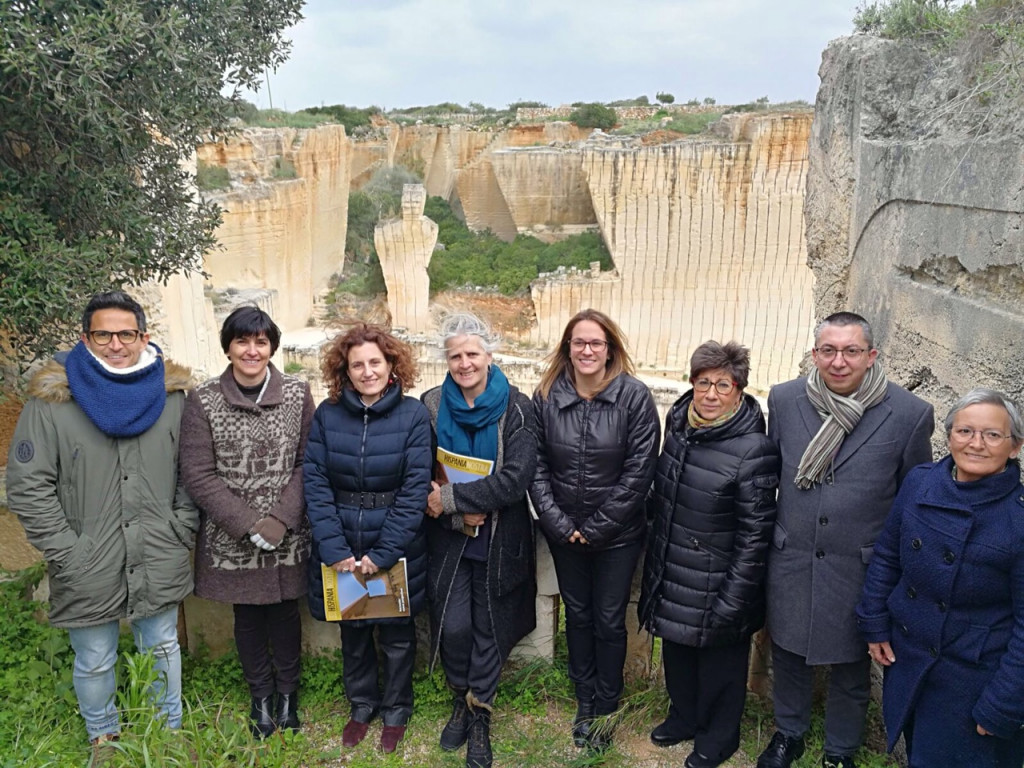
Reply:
x=278, y=118
x=210, y=178
x=40, y=725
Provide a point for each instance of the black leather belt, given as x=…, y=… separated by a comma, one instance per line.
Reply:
x=365, y=499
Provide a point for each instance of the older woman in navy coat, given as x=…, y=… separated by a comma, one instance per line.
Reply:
x=367, y=475
x=943, y=603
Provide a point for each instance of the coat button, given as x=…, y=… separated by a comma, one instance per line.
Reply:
x=819, y=554
x=942, y=606
x=823, y=520
x=948, y=557
x=916, y=543
x=933, y=652
x=904, y=629
x=911, y=593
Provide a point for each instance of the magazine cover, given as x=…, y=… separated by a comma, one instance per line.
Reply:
x=456, y=468
x=383, y=595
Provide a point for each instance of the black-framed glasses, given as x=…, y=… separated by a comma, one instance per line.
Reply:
x=597, y=345
x=127, y=336
x=849, y=353
x=993, y=438
x=722, y=386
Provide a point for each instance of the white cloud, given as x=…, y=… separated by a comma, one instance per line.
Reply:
x=407, y=52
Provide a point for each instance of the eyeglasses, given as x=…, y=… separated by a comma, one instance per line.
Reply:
x=851, y=354
x=991, y=437
x=102, y=338
x=722, y=386
x=580, y=344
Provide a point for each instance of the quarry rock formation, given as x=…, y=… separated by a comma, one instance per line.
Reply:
x=404, y=247
x=924, y=236
x=286, y=215
x=707, y=239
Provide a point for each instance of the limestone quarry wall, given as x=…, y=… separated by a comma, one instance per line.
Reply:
x=280, y=233
x=707, y=237
x=925, y=237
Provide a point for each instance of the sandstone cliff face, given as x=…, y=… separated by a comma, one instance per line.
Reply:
x=925, y=237
x=707, y=239
x=279, y=233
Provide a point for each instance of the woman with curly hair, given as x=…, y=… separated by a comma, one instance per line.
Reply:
x=367, y=475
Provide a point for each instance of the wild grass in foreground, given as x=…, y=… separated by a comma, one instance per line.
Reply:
x=40, y=725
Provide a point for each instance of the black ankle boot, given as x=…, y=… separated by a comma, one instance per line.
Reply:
x=288, y=711
x=582, y=722
x=456, y=730
x=478, y=753
x=262, y=716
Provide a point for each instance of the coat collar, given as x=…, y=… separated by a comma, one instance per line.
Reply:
x=564, y=394
x=274, y=394
x=944, y=491
x=872, y=420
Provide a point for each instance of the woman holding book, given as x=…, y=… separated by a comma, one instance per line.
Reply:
x=482, y=580
x=599, y=432
x=367, y=475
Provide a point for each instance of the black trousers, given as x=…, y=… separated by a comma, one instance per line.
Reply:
x=269, y=642
x=392, y=659
x=849, y=690
x=469, y=651
x=708, y=689
x=595, y=586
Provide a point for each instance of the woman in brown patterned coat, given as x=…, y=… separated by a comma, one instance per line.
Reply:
x=243, y=436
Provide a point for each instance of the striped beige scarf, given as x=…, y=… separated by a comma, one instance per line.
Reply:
x=840, y=415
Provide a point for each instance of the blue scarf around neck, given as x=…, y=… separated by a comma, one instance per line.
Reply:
x=472, y=431
x=119, y=405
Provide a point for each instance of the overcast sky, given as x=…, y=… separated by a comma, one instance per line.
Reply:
x=401, y=53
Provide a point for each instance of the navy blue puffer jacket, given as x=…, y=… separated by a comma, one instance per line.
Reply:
x=382, y=448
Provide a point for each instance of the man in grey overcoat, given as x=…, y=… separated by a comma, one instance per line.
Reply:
x=847, y=438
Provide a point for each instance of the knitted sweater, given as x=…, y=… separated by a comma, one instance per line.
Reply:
x=241, y=461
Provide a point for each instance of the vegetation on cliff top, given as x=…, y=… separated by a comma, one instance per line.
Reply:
x=977, y=51
x=100, y=105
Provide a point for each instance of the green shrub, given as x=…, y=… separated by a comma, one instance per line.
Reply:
x=284, y=169
x=665, y=98
x=921, y=19
x=212, y=177
x=278, y=118
x=690, y=123
x=594, y=115
x=350, y=117
x=471, y=259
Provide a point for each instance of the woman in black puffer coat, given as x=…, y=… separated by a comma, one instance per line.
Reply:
x=367, y=475
x=599, y=432
x=713, y=510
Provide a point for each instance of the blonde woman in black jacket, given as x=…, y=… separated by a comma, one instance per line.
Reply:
x=703, y=590
x=599, y=433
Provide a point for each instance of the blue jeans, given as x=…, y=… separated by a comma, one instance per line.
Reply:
x=96, y=654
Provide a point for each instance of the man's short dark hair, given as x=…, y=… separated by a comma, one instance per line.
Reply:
x=113, y=300
x=843, y=319
x=249, y=321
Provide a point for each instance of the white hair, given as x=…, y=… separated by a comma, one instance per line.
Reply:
x=467, y=324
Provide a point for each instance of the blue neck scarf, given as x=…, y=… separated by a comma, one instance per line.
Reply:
x=472, y=431
x=119, y=405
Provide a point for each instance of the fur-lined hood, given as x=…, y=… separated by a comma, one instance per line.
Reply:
x=50, y=383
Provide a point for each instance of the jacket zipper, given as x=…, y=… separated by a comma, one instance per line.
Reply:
x=362, y=465
x=582, y=464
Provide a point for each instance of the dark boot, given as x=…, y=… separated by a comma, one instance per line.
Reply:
x=600, y=737
x=478, y=753
x=781, y=752
x=456, y=730
x=288, y=711
x=582, y=722
x=262, y=716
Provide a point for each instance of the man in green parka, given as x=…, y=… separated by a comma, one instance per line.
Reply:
x=93, y=477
